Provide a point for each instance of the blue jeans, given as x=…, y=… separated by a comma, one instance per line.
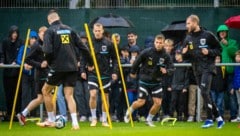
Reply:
x=232, y=98
x=61, y=101
x=218, y=98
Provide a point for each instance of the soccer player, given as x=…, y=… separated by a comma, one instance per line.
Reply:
x=60, y=43
x=155, y=63
x=105, y=56
x=201, y=47
x=35, y=59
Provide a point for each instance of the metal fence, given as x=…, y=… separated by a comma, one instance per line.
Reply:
x=116, y=3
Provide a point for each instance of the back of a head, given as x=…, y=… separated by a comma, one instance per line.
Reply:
x=52, y=16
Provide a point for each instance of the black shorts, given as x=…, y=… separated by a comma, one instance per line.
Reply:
x=154, y=90
x=65, y=78
x=38, y=86
x=93, y=84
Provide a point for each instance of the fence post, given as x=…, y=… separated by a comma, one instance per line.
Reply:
x=198, y=117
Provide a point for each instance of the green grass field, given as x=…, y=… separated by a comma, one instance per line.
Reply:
x=121, y=129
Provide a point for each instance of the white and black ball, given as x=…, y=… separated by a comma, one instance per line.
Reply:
x=60, y=122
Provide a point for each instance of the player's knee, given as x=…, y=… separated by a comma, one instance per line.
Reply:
x=141, y=102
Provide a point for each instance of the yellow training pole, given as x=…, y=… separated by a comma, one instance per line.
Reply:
x=19, y=78
x=55, y=95
x=98, y=74
x=122, y=77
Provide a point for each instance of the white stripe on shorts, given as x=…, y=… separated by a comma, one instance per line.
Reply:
x=92, y=83
x=157, y=91
x=144, y=90
x=107, y=85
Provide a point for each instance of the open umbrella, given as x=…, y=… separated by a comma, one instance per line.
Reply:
x=233, y=22
x=112, y=21
x=176, y=30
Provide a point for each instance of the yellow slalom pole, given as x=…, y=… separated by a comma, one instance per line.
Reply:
x=98, y=74
x=19, y=78
x=55, y=95
x=122, y=77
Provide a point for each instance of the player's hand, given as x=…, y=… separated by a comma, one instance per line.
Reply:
x=184, y=50
x=163, y=70
x=90, y=68
x=44, y=64
x=184, y=90
x=133, y=75
x=232, y=91
x=27, y=67
x=78, y=64
x=204, y=51
x=114, y=77
x=84, y=76
x=169, y=89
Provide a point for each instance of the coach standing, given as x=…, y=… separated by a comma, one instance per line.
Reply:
x=59, y=48
x=201, y=47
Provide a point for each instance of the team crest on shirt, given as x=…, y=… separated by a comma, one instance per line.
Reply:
x=104, y=49
x=203, y=43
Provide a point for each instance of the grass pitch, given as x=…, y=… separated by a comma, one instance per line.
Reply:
x=121, y=129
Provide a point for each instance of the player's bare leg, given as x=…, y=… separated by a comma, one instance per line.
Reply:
x=93, y=106
x=104, y=115
x=135, y=105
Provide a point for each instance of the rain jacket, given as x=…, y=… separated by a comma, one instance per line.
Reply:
x=228, y=51
x=236, y=78
x=19, y=60
x=9, y=51
x=59, y=46
x=152, y=60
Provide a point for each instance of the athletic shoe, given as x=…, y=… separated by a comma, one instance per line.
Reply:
x=220, y=124
x=190, y=119
x=75, y=127
x=105, y=124
x=150, y=124
x=83, y=119
x=208, y=123
x=126, y=119
x=21, y=119
x=235, y=120
x=46, y=124
x=93, y=123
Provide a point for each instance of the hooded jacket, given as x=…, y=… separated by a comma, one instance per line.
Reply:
x=228, y=51
x=9, y=51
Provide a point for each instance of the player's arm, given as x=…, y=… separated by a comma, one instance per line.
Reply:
x=214, y=46
x=48, y=45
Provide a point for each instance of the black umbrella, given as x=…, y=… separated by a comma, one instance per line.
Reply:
x=112, y=21
x=176, y=30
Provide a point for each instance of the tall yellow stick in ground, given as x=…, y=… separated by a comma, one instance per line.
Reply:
x=19, y=79
x=98, y=74
x=122, y=77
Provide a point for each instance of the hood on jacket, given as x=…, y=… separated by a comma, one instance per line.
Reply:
x=13, y=29
x=222, y=28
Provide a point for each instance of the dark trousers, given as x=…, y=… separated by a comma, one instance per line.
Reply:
x=166, y=102
x=204, y=82
x=28, y=92
x=81, y=95
x=10, y=84
x=178, y=103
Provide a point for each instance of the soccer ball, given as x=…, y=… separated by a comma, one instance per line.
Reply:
x=60, y=122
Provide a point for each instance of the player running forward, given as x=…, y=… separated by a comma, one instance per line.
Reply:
x=155, y=63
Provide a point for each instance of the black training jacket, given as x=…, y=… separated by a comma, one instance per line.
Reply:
x=59, y=46
x=198, y=40
x=106, y=58
x=151, y=61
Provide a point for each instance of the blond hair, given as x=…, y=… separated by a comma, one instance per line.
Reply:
x=194, y=18
x=169, y=42
x=160, y=37
x=42, y=29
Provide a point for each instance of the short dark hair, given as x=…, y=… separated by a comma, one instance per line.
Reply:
x=52, y=11
x=132, y=32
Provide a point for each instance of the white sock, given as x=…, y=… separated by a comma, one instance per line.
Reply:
x=51, y=117
x=219, y=118
x=131, y=111
x=150, y=117
x=104, y=117
x=25, y=112
x=74, y=119
x=93, y=112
